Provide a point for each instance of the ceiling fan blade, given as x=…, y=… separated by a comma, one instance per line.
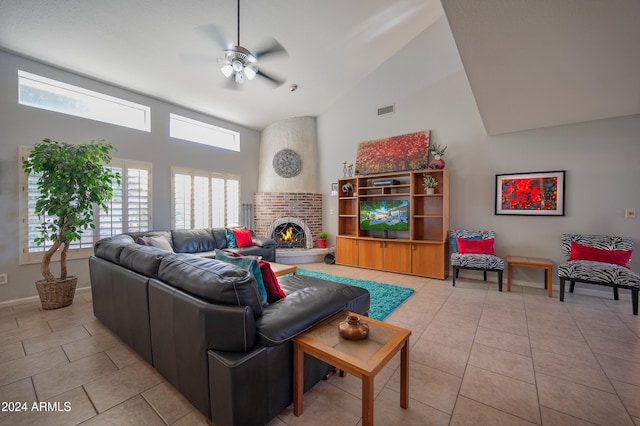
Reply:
x=275, y=80
x=213, y=32
x=272, y=48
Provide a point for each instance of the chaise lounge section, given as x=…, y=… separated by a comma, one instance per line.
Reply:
x=201, y=324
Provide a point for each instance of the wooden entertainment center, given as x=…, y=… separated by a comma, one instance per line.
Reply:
x=420, y=250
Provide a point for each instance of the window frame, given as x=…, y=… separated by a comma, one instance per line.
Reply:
x=197, y=126
x=103, y=105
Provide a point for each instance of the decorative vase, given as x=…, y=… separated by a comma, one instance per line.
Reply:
x=353, y=328
x=322, y=242
x=431, y=191
x=437, y=163
x=56, y=294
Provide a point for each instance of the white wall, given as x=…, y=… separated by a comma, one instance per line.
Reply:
x=428, y=85
x=21, y=125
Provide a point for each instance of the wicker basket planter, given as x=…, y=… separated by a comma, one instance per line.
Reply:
x=57, y=294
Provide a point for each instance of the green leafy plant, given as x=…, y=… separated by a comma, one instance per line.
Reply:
x=323, y=234
x=429, y=181
x=71, y=180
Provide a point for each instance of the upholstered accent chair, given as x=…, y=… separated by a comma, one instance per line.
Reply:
x=474, y=252
x=599, y=260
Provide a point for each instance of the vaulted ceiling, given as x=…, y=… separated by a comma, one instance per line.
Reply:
x=530, y=63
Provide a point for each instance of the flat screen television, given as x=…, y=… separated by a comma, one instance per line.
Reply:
x=387, y=215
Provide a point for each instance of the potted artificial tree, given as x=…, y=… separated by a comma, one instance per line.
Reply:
x=322, y=239
x=72, y=179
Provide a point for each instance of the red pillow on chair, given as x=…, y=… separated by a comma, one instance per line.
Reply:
x=475, y=246
x=243, y=237
x=582, y=252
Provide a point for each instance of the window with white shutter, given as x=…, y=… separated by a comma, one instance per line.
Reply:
x=202, y=199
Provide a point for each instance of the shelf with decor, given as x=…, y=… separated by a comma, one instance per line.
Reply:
x=410, y=238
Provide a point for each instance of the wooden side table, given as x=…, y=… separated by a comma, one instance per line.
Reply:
x=361, y=358
x=532, y=262
x=281, y=269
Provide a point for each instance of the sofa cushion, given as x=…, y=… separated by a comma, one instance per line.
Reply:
x=231, y=239
x=480, y=246
x=582, y=252
x=274, y=292
x=309, y=300
x=193, y=240
x=211, y=280
x=251, y=265
x=144, y=260
x=243, y=237
x=111, y=248
x=159, y=241
x=220, y=235
x=598, y=272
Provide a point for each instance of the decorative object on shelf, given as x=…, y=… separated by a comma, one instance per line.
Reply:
x=530, y=194
x=353, y=328
x=437, y=152
x=350, y=169
x=287, y=163
x=344, y=169
x=429, y=183
x=347, y=188
x=397, y=153
x=334, y=189
x=322, y=239
x=72, y=179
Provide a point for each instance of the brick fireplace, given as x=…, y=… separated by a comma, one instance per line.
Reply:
x=301, y=208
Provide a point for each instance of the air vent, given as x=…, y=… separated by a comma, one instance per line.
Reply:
x=386, y=110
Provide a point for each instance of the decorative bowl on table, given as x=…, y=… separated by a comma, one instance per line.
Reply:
x=353, y=328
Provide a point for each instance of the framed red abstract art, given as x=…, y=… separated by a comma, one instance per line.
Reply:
x=530, y=194
x=397, y=153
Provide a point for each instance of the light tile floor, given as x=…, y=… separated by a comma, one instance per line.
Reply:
x=478, y=357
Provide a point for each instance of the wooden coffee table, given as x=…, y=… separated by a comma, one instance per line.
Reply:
x=361, y=358
x=532, y=262
x=281, y=269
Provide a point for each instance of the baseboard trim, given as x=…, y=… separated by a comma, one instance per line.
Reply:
x=30, y=299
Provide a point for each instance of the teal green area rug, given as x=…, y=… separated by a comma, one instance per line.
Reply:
x=384, y=297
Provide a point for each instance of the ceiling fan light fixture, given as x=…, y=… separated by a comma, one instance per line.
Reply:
x=227, y=70
x=250, y=73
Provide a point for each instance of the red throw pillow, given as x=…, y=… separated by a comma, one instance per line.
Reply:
x=271, y=284
x=582, y=252
x=243, y=237
x=475, y=246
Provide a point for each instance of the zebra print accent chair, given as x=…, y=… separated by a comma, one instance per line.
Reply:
x=598, y=273
x=483, y=262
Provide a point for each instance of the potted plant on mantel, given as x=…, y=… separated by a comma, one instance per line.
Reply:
x=71, y=180
x=322, y=239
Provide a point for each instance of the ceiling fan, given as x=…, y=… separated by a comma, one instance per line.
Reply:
x=240, y=64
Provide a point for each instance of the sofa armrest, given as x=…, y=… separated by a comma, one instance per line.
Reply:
x=263, y=242
x=299, y=311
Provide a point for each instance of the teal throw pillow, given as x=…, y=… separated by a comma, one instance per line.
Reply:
x=250, y=264
x=231, y=239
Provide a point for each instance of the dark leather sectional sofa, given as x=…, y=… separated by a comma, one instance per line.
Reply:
x=204, y=242
x=200, y=323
